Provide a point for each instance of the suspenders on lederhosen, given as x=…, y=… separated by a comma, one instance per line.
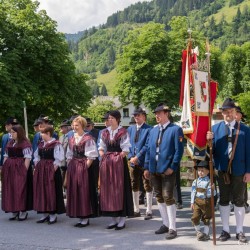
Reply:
x=201, y=190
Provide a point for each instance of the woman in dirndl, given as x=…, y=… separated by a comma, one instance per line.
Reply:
x=48, y=192
x=115, y=185
x=17, y=175
x=82, y=201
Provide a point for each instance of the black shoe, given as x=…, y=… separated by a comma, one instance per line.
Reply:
x=241, y=238
x=137, y=214
x=148, y=216
x=224, y=236
x=24, y=218
x=162, y=230
x=43, y=220
x=179, y=206
x=52, y=222
x=112, y=226
x=14, y=217
x=171, y=234
x=120, y=228
x=83, y=225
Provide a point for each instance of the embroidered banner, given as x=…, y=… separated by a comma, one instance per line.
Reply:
x=197, y=99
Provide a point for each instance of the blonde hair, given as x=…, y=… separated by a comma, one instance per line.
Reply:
x=81, y=120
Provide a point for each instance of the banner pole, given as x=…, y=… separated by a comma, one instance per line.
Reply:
x=25, y=119
x=210, y=144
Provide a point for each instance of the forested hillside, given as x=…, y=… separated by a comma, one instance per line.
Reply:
x=224, y=22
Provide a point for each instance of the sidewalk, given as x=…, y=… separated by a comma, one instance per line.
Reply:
x=138, y=234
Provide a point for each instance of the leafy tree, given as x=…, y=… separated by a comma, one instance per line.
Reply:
x=243, y=100
x=104, y=68
x=98, y=108
x=233, y=62
x=104, y=91
x=147, y=69
x=245, y=82
x=35, y=66
x=94, y=87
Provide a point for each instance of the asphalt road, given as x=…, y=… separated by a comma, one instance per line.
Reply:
x=138, y=234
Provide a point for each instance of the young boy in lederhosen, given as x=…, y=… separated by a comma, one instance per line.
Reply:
x=201, y=201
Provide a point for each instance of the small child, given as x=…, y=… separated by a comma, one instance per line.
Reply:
x=201, y=200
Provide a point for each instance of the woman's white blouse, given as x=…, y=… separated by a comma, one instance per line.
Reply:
x=124, y=143
x=90, y=148
x=58, y=153
x=27, y=153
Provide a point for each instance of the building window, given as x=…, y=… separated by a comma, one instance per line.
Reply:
x=125, y=112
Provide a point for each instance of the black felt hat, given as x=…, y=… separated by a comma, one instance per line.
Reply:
x=238, y=109
x=73, y=117
x=116, y=114
x=139, y=110
x=228, y=104
x=89, y=121
x=11, y=120
x=36, y=123
x=43, y=118
x=201, y=164
x=162, y=107
x=65, y=123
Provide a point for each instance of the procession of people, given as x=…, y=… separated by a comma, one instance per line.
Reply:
x=101, y=171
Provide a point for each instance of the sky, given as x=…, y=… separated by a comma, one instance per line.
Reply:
x=77, y=15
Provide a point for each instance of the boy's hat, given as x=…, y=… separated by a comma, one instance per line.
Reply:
x=202, y=164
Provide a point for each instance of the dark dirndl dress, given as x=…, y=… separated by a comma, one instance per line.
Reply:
x=48, y=192
x=115, y=185
x=16, y=179
x=82, y=200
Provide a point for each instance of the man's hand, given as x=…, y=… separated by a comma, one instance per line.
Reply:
x=146, y=175
x=246, y=177
x=192, y=206
x=169, y=171
x=210, y=135
x=134, y=160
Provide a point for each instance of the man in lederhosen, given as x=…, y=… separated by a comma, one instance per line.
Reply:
x=163, y=156
x=231, y=143
x=138, y=137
